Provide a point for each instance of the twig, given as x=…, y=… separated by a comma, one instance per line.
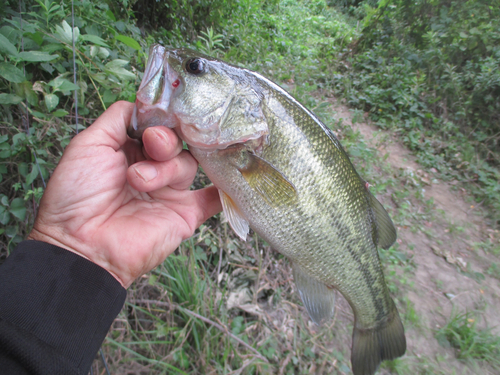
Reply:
x=206, y=320
x=242, y=266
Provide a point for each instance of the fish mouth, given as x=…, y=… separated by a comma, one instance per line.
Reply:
x=145, y=116
x=154, y=95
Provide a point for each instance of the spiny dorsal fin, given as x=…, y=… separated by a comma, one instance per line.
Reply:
x=318, y=299
x=386, y=232
x=270, y=183
x=234, y=216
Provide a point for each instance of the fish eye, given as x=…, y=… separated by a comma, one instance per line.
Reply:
x=195, y=66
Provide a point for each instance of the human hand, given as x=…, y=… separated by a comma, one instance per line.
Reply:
x=120, y=206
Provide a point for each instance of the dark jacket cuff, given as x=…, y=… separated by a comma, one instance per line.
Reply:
x=55, y=304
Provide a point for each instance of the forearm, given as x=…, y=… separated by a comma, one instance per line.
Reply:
x=55, y=310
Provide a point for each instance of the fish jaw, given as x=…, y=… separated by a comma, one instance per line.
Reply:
x=159, y=85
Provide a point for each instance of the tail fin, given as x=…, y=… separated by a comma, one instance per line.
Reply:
x=372, y=346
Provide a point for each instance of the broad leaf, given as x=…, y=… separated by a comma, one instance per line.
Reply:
x=129, y=41
x=10, y=99
x=103, y=53
x=4, y=216
x=11, y=73
x=94, y=39
x=32, y=175
x=37, y=56
x=7, y=47
x=62, y=84
x=117, y=63
x=116, y=67
x=18, y=209
x=60, y=113
x=22, y=168
x=122, y=73
x=51, y=101
x=65, y=33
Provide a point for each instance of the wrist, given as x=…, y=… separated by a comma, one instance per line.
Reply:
x=39, y=235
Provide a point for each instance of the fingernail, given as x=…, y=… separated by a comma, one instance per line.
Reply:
x=146, y=171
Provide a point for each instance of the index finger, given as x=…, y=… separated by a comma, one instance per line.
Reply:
x=161, y=143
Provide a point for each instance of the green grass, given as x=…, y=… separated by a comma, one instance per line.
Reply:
x=461, y=332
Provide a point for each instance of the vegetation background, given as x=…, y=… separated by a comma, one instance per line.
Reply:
x=424, y=74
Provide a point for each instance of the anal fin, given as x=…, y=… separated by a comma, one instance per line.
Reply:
x=318, y=299
x=386, y=232
x=234, y=216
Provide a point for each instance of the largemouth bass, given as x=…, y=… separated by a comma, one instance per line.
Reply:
x=283, y=173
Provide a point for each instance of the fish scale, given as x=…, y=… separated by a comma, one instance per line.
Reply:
x=284, y=174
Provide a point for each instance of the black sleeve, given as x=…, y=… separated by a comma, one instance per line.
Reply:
x=55, y=310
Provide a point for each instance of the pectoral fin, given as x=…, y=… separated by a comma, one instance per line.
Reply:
x=269, y=182
x=318, y=299
x=234, y=216
x=385, y=231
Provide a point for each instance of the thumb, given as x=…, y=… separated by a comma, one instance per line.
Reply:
x=110, y=129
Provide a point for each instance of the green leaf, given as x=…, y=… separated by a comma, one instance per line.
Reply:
x=7, y=47
x=18, y=138
x=37, y=56
x=11, y=231
x=32, y=175
x=3, y=138
x=37, y=37
x=11, y=73
x=51, y=101
x=128, y=41
x=62, y=84
x=4, y=216
x=111, y=15
x=47, y=67
x=22, y=168
x=117, y=63
x=10, y=99
x=115, y=67
x=103, y=53
x=122, y=73
x=60, y=113
x=18, y=209
x=94, y=39
x=65, y=33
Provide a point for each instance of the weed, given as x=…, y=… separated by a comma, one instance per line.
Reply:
x=494, y=270
x=470, y=342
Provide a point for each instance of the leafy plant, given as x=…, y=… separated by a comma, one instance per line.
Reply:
x=431, y=70
x=38, y=87
x=470, y=342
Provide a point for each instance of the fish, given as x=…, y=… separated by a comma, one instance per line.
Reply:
x=282, y=172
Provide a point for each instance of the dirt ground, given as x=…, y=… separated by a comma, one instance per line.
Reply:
x=446, y=258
